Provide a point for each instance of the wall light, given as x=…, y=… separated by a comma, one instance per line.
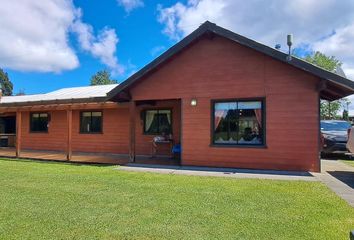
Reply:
x=194, y=102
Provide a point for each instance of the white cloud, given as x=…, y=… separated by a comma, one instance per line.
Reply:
x=34, y=36
x=129, y=5
x=340, y=44
x=270, y=21
x=102, y=46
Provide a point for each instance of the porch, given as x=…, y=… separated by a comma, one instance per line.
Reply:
x=84, y=157
x=151, y=120
x=63, y=140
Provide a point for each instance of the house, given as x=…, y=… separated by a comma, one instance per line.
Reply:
x=227, y=100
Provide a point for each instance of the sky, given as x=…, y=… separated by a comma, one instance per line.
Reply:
x=51, y=44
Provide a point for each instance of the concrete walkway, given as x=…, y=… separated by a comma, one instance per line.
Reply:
x=219, y=172
x=339, y=177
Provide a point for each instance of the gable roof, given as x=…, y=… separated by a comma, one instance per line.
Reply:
x=65, y=95
x=332, y=87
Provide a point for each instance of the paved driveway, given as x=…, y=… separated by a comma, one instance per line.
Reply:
x=339, y=177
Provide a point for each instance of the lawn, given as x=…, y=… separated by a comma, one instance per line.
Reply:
x=41, y=200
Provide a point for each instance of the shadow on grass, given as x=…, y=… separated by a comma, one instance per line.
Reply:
x=72, y=163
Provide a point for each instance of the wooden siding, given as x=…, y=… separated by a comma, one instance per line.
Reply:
x=217, y=69
x=114, y=138
x=54, y=139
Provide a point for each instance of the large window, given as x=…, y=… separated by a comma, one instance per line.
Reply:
x=91, y=122
x=39, y=122
x=238, y=123
x=157, y=122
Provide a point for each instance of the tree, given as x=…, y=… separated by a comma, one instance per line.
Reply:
x=6, y=84
x=328, y=110
x=102, y=78
x=345, y=115
x=330, y=63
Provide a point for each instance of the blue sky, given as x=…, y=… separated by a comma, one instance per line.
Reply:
x=140, y=41
x=62, y=43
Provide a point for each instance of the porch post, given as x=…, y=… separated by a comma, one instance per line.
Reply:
x=132, y=109
x=69, y=119
x=18, y=133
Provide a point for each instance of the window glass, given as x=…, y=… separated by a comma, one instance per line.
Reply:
x=225, y=124
x=238, y=123
x=91, y=122
x=157, y=122
x=39, y=122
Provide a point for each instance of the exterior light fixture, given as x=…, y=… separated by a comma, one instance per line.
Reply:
x=194, y=102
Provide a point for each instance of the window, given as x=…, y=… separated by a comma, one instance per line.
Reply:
x=39, y=122
x=238, y=123
x=157, y=122
x=8, y=125
x=91, y=122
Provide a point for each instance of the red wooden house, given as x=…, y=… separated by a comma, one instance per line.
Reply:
x=228, y=101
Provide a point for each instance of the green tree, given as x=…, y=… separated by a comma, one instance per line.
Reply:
x=330, y=63
x=345, y=115
x=6, y=84
x=102, y=78
x=329, y=110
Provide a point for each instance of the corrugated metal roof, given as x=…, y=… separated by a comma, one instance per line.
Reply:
x=75, y=93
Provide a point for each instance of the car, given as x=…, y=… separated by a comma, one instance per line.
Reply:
x=334, y=134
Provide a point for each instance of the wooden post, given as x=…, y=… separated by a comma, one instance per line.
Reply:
x=69, y=120
x=18, y=133
x=132, y=109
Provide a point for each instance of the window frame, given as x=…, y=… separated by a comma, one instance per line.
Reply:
x=236, y=145
x=30, y=122
x=156, y=109
x=90, y=111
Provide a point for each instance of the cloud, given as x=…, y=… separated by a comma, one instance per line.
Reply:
x=102, y=46
x=340, y=44
x=34, y=36
x=327, y=26
x=129, y=5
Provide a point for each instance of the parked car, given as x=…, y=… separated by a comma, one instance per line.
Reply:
x=334, y=135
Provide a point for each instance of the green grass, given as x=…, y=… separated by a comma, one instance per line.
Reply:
x=349, y=162
x=41, y=200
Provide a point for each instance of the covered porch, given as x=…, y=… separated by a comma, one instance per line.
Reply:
x=155, y=131
x=81, y=157
x=143, y=121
